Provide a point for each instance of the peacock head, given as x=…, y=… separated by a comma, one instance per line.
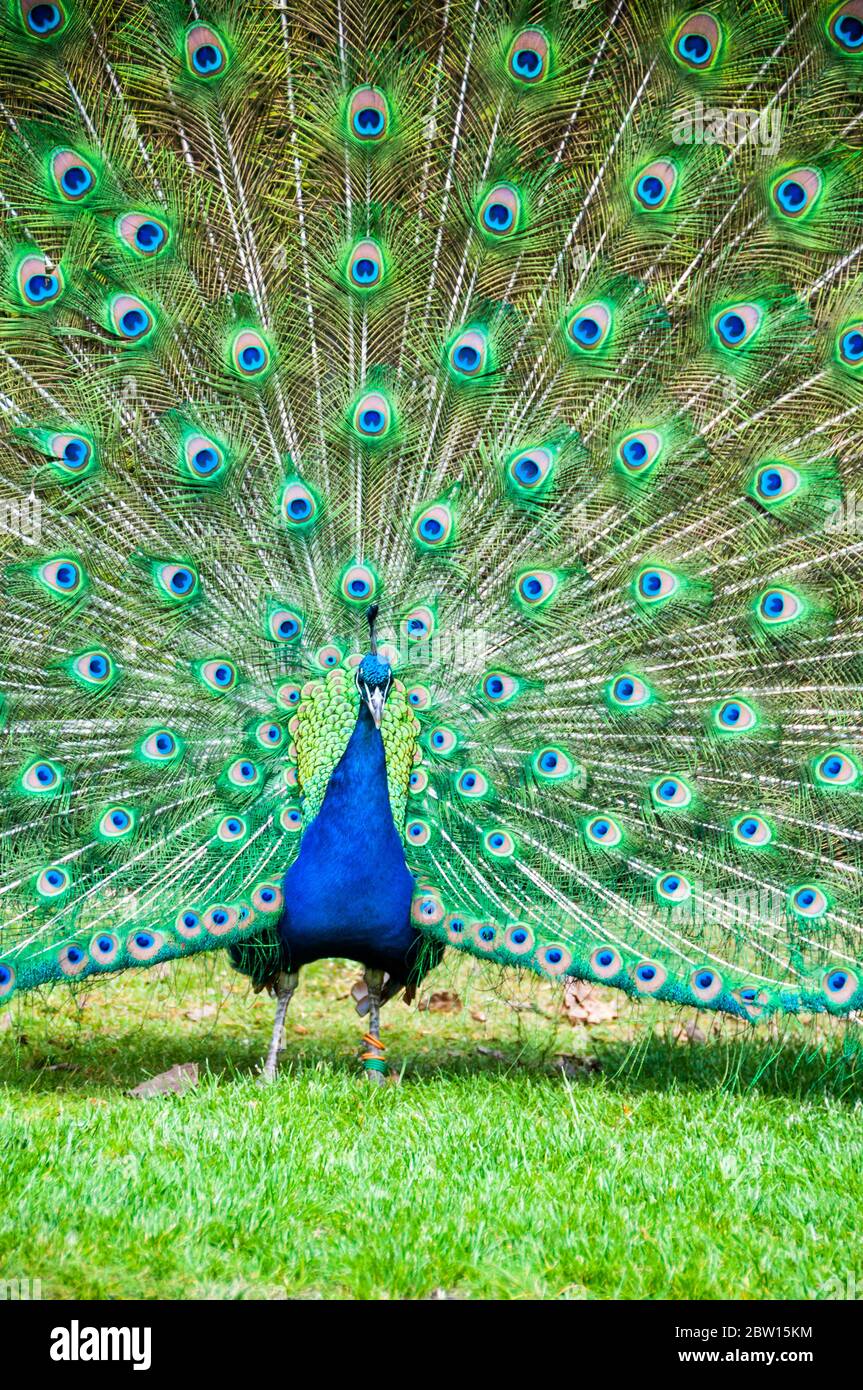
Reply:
x=374, y=676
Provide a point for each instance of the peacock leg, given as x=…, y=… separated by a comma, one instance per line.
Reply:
x=373, y=1059
x=284, y=993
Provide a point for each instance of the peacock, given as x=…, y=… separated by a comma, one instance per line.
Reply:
x=428, y=497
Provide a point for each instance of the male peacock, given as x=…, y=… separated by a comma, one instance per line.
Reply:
x=540, y=327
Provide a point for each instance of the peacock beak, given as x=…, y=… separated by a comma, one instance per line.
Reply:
x=375, y=701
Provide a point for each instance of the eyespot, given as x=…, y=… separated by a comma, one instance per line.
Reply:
x=418, y=781
x=671, y=793
x=426, y=909
x=419, y=624
x=673, y=888
x=53, y=881
x=179, y=582
x=628, y=691
x=188, y=924
x=417, y=832
x=202, y=459
x=366, y=266
x=706, y=984
x=291, y=820
x=221, y=919
x=554, y=959
x=284, y=624
x=845, y=27
x=218, y=674
x=530, y=471
x=455, y=927
x=468, y=353
x=268, y=897
x=654, y=585
x=849, y=343
x=473, y=784
x=243, y=773
x=130, y=318
x=162, y=746
x=143, y=944
x=358, y=584
x=299, y=505
x=144, y=234
x=588, y=328
x=484, y=936
x=533, y=588
x=368, y=115
x=250, y=355
x=269, y=735
x=840, y=985
x=230, y=829
x=288, y=695
x=63, y=576
x=72, y=959
x=795, y=194
x=434, y=527
x=809, y=901
x=528, y=59
x=442, y=741
x=697, y=41
x=73, y=175
x=637, y=453
x=648, y=976
x=836, y=769
x=37, y=285
x=603, y=831
x=7, y=981
x=519, y=939
x=117, y=823
x=42, y=777
x=72, y=454
x=500, y=688
x=735, y=716
x=94, y=668
x=552, y=764
x=605, y=962
x=777, y=606
x=329, y=657
x=372, y=416
x=754, y=1000
x=44, y=19
x=206, y=55
x=737, y=325
x=655, y=184
x=775, y=482
x=752, y=831
x=419, y=697
x=104, y=948
x=500, y=213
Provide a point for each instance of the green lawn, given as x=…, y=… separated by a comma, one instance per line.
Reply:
x=652, y=1167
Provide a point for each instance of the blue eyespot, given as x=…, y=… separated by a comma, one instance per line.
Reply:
x=222, y=675
x=369, y=121
x=466, y=358
x=76, y=452
x=732, y=327
x=852, y=345
x=848, y=30
x=45, y=774
x=704, y=979
x=207, y=59
x=104, y=944
x=635, y=452
x=76, y=180
x=527, y=470
x=527, y=62
x=624, y=689
x=646, y=973
x=774, y=604
x=468, y=781
x=486, y=933
x=66, y=576
x=651, y=190
x=365, y=271
x=252, y=357
x=120, y=819
x=430, y=528
x=97, y=666
x=74, y=955
x=695, y=47
x=372, y=421
x=553, y=956
x=44, y=19
x=549, y=761
x=5, y=975
x=133, y=322
x=220, y=917
x=182, y=580
x=299, y=508
x=144, y=939
x=651, y=582
x=267, y=895
x=41, y=287
x=456, y=925
x=149, y=236
x=837, y=980
x=585, y=330
x=498, y=217
x=54, y=877
x=605, y=958
x=519, y=936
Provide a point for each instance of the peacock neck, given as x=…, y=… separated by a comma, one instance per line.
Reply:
x=357, y=799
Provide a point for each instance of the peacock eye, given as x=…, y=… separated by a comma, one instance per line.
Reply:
x=43, y=19
x=201, y=458
x=442, y=740
x=519, y=939
x=836, y=769
x=62, y=576
x=434, y=527
x=605, y=962
x=752, y=831
x=706, y=984
x=372, y=416
x=117, y=823
x=500, y=688
x=269, y=735
x=671, y=793
x=143, y=233
x=161, y=746
x=697, y=41
x=797, y=192
x=206, y=54
x=528, y=472
x=603, y=831
x=849, y=345
x=93, y=668
x=528, y=59
x=840, y=985
x=654, y=186
x=179, y=582
x=649, y=976
x=845, y=27
x=533, y=588
x=299, y=505
x=735, y=716
x=368, y=115
x=499, y=843
x=418, y=832
x=775, y=482
x=776, y=606
x=220, y=919
x=468, y=353
x=250, y=355
x=188, y=923
x=218, y=674
x=71, y=454
x=130, y=318
x=329, y=657
x=288, y=695
x=42, y=777
x=418, y=781
x=242, y=772
x=358, y=584
x=588, y=328
x=231, y=829
x=419, y=624
x=552, y=764
x=627, y=691
x=53, y=881
x=472, y=784
x=73, y=175
x=673, y=888
x=500, y=214
x=37, y=285
x=284, y=625
x=366, y=266
x=144, y=945
x=654, y=585
x=809, y=901
x=291, y=819
x=637, y=452
x=736, y=326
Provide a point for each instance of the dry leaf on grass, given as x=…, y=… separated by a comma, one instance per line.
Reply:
x=176, y=1080
x=478, y=1016
x=584, y=1003
x=442, y=1001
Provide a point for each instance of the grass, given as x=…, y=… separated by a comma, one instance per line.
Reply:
x=650, y=1167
